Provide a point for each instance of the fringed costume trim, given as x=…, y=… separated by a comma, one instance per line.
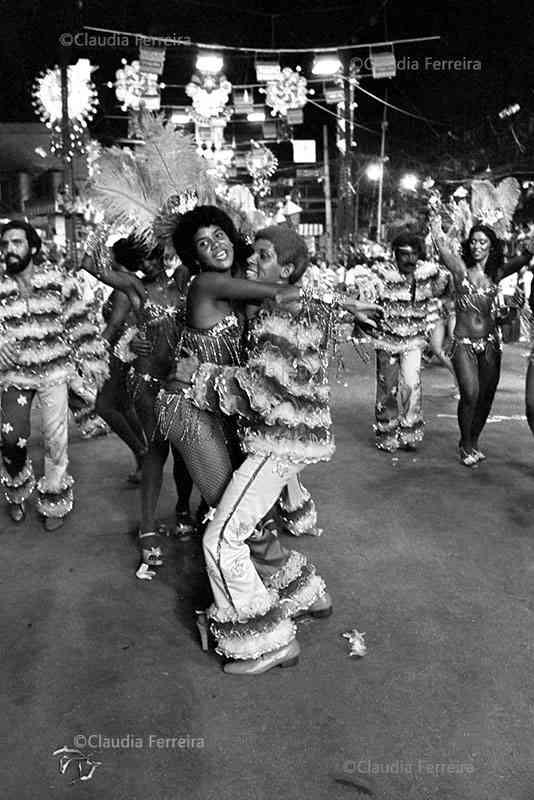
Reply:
x=17, y=489
x=55, y=504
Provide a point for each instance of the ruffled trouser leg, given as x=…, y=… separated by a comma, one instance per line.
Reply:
x=16, y=473
x=251, y=616
x=411, y=397
x=398, y=407
x=54, y=490
x=296, y=510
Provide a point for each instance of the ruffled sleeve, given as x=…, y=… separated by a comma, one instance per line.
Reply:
x=89, y=352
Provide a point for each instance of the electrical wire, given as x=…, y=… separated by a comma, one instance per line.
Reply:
x=396, y=108
x=343, y=117
x=169, y=40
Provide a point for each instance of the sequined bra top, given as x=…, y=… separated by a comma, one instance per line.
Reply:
x=220, y=344
x=475, y=298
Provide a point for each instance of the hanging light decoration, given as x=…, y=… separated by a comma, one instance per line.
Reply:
x=82, y=103
x=209, y=94
x=261, y=163
x=287, y=92
x=134, y=88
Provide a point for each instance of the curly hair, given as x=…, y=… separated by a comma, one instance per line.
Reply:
x=32, y=237
x=495, y=260
x=183, y=237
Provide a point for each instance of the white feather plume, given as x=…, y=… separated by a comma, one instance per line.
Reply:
x=164, y=173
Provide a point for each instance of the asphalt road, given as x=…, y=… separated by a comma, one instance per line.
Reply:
x=433, y=561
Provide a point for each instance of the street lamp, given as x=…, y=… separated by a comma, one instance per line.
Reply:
x=374, y=171
x=409, y=182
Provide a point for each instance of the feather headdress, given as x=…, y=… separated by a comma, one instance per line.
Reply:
x=490, y=205
x=145, y=190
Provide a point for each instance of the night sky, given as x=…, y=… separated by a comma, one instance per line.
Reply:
x=462, y=103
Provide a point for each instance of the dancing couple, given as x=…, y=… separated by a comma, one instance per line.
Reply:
x=281, y=399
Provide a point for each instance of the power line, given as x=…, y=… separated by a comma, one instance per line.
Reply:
x=400, y=110
x=342, y=117
x=169, y=40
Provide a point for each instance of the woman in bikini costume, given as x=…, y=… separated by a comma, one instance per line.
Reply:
x=476, y=353
x=148, y=349
x=112, y=402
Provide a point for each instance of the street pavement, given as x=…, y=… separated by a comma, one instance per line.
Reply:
x=433, y=561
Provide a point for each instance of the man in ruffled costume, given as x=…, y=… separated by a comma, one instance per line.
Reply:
x=282, y=399
x=408, y=291
x=47, y=339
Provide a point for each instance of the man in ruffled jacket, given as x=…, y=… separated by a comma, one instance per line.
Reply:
x=408, y=291
x=47, y=339
x=282, y=399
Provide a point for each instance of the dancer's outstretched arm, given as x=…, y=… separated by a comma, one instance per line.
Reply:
x=225, y=287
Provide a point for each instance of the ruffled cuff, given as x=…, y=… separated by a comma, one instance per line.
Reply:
x=55, y=504
x=122, y=349
x=302, y=520
x=252, y=633
x=17, y=489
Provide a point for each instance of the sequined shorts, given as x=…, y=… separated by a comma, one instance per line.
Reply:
x=475, y=347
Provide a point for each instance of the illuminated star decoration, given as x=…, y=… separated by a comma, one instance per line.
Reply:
x=288, y=91
x=134, y=87
x=82, y=103
x=209, y=94
x=22, y=400
x=7, y=427
x=21, y=442
x=261, y=164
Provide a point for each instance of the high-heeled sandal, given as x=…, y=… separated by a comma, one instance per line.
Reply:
x=203, y=629
x=468, y=459
x=17, y=511
x=479, y=454
x=150, y=557
x=184, y=526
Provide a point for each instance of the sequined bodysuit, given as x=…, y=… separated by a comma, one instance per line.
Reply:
x=207, y=442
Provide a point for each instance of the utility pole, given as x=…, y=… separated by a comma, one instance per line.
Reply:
x=347, y=197
x=327, y=199
x=381, y=177
x=68, y=165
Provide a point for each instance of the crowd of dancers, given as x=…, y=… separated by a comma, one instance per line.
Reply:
x=225, y=365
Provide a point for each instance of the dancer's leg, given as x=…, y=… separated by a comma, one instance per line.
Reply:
x=529, y=392
x=202, y=439
x=488, y=378
x=182, y=481
x=114, y=407
x=465, y=363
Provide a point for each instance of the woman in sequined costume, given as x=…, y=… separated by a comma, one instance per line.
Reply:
x=208, y=244
x=148, y=347
x=112, y=402
x=476, y=354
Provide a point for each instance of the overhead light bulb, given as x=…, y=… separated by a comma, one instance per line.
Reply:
x=210, y=63
x=325, y=65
